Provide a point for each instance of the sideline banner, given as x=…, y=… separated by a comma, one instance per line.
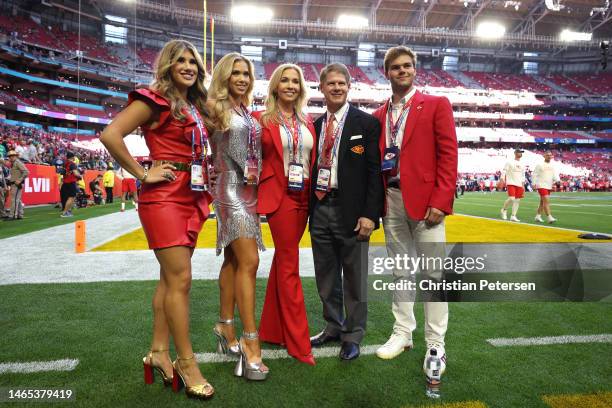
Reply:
x=42, y=186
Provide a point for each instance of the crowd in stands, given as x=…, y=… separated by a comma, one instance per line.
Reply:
x=597, y=161
x=24, y=31
x=40, y=147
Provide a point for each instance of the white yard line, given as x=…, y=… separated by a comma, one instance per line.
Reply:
x=38, y=366
x=545, y=341
x=282, y=353
x=537, y=225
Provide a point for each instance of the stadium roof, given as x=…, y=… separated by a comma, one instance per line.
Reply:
x=530, y=17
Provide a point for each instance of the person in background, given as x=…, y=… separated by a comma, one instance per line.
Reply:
x=96, y=190
x=513, y=176
x=128, y=187
x=4, y=187
x=109, y=183
x=19, y=172
x=544, y=178
x=68, y=191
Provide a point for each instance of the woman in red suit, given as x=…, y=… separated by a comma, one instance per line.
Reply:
x=172, y=206
x=287, y=141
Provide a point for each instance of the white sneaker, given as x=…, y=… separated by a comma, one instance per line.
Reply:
x=504, y=214
x=538, y=218
x=551, y=219
x=440, y=353
x=394, y=347
x=514, y=219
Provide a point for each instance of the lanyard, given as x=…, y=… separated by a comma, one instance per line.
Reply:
x=203, y=135
x=294, y=139
x=337, y=132
x=394, y=128
x=252, y=131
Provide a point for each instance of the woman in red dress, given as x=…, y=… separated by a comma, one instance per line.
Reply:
x=287, y=151
x=172, y=206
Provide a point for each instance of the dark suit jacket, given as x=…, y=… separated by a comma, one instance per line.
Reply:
x=360, y=184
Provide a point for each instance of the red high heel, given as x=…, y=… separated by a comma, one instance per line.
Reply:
x=309, y=359
x=149, y=373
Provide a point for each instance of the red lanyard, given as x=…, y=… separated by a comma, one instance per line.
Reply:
x=294, y=133
x=394, y=127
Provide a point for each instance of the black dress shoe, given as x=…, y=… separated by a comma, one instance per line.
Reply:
x=322, y=338
x=349, y=350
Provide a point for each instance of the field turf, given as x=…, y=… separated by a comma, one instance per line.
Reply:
x=581, y=211
x=46, y=216
x=107, y=327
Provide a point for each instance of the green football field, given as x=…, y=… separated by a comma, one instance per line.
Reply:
x=107, y=327
x=582, y=211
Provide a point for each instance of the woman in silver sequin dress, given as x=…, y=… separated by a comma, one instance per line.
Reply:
x=236, y=145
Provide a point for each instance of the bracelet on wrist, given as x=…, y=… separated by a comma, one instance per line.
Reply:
x=144, y=176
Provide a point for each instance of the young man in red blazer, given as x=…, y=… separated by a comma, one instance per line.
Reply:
x=418, y=146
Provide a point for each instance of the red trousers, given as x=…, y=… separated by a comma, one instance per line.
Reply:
x=283, y=319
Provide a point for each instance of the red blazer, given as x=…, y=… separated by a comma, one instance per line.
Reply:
x=428, y=155
x=272, y=181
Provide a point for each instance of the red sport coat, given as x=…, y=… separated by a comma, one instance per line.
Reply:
x=428, y=155
x=272, y=181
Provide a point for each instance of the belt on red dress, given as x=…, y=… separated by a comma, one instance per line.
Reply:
x=179, y=166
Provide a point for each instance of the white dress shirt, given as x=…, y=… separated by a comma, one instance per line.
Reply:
x=307, y=142
x=334, y=170
x=396, y=109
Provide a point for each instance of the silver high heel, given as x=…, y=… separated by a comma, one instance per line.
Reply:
x=250, y=371
x=223, y=346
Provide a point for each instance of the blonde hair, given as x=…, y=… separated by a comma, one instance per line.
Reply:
x=221, y=112
x=393, y=53
x=162, y=83
x=270, y=117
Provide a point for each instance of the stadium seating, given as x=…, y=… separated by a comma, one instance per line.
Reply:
x=358, y=75
x=603, y=135
x=449, y=80
x=569, y=84
x=427, y=78
x=310, y=72
x=52, y=144
x=598, y=84
x=147, y=57
x=269, y=68
x=558, y=134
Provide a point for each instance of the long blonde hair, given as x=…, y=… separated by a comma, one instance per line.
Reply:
x=270, y=117
x=221, y=112
x=162, y=83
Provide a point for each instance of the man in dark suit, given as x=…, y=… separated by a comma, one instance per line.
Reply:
x=346, y=204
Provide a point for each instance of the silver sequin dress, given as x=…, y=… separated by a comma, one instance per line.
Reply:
x=235, y=203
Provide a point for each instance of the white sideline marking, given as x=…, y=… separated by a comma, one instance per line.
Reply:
x=39, y=366
x=282, y=353
x=529, y=223
x=544, y=341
